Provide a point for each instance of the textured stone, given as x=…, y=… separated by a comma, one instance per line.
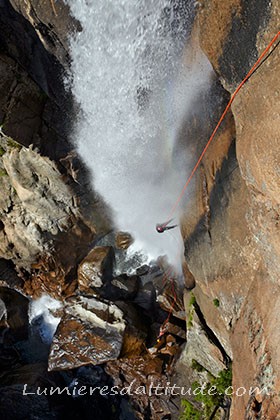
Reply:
x=96, y=270
x=36, y=200
x=124, y=287
x=232, y=242
x=21, y=42
x=137, y=328
x=123, y=240
x=144, y=374
x=52, y=22
x=169, y=294
x=90, y=332
x=15, y=307
x=199, y=348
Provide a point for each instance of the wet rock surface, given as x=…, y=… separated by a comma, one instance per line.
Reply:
x=143, y=374
x=96, y=270
x=51, y=221
x=123, y=240
x=54, y=234
x=90, y=332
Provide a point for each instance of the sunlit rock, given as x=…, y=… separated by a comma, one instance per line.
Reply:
x=169, y=295
x=123, y=240
x=54, y=37
x=200, y=348
x=96, y=269
x=188, y=277
x=35, y=200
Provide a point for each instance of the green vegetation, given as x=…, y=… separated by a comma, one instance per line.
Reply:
x=3, y=172
x=197, y=366
x=190, y=320
x=216, y=302
x=7, y=142
x=211, y=396
x=217, y=387
x=190, y=412
x=223, y=380
x=192, y=302
x=13, y=144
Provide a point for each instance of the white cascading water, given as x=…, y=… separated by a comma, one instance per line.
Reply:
x=129, y=76
x=42, y=311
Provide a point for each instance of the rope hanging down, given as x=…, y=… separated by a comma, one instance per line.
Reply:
x=164, y=225
x=249, y=74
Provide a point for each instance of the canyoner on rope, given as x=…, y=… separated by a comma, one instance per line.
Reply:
x=162, y=227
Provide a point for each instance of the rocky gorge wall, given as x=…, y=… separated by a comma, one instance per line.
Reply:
x=232, y=249
x=230, y=227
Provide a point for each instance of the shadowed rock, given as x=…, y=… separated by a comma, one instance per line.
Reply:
x=14, y=311
x=124, y=287
x=143, y=374
x=16, y=406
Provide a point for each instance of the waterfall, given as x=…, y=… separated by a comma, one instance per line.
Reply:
x=130, y=79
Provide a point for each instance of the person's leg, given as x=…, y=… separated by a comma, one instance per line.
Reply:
x=170, y=227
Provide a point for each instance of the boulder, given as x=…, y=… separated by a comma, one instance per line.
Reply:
x=142, y=374
x=96, y=270
x=169, y=294
x=137, y=329
x=14, y=310
x=124, y=287
x=15, y=405
x=90, y=332
x=36, y=201
x=123, y=240
x=52, y=22
x=200, y=348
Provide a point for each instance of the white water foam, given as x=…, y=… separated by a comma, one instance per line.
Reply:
x=130, y=78
x=41, y=314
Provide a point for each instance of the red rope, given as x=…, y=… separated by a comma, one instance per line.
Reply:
x=162, y=329
x=220, y=122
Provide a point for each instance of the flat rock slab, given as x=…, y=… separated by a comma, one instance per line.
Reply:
x=90, y=332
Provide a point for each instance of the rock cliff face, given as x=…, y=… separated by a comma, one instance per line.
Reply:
x=54, y=231
x=232, y=249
